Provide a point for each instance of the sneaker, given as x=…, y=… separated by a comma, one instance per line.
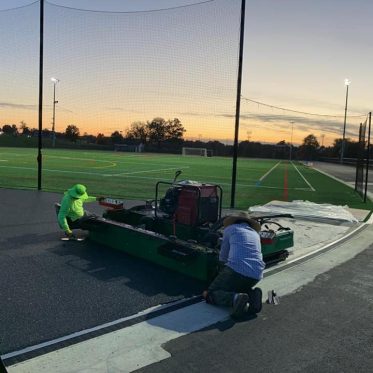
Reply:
x=255, y=300
x=239, y=305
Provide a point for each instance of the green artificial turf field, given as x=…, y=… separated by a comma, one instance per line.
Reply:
x=134, y=176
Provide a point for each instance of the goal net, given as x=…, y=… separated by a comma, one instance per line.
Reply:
x=195, y=151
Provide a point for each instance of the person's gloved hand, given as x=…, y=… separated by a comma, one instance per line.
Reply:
x=100, y=198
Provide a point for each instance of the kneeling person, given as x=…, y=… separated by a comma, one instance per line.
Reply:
x=243, y=267
x=71, y=214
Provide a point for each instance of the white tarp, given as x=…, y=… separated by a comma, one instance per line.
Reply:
x=307, y=210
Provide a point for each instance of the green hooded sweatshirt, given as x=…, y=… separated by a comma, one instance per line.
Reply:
x=72, y=205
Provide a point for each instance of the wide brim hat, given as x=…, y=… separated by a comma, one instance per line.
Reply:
x=241, y=216
x=78, y=191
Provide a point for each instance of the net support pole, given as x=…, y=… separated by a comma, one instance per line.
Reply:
x=40, y=92
x=368, y=156
x=358, y=157
x=238, y=102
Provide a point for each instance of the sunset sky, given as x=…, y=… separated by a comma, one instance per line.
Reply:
x=130, y=63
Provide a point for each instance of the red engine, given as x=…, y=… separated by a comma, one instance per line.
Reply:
x=197, y=204
x=193, y=204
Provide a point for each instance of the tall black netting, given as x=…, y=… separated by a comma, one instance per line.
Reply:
x=359, y=184
x=19, y=74
x=103, y=72
x=115, y=69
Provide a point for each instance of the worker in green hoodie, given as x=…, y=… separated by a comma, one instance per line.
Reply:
x=71, y=214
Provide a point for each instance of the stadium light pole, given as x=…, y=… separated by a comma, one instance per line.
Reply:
x=55, y=82
x=347, y=83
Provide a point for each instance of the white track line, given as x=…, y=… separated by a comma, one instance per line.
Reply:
x=307, y=182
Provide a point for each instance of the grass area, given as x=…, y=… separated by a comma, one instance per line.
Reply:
x=134, y=175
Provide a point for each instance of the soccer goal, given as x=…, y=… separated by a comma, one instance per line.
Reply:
x=194, y=151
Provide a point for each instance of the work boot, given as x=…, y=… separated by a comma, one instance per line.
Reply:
x=255, y=300
x=207, y=297
x=239, y=305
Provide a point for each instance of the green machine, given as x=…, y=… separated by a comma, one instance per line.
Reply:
x=181, y=230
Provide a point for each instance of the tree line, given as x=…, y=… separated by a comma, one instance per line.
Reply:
x=167, y=136
x=155, y=131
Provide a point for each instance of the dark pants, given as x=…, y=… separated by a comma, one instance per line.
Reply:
x=84, y=222
x=2, y=367
x=228, y=283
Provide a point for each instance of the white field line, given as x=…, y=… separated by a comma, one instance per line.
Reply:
x=307, y=182
x=77, y=159
x=268, y=172
x=95, y=173
x=145, y=171
x=349, y=184
x=112, y=164
x=262, y=186
x=141, y=177
x=51, y=170
x=116, y=161
x=15, y=154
